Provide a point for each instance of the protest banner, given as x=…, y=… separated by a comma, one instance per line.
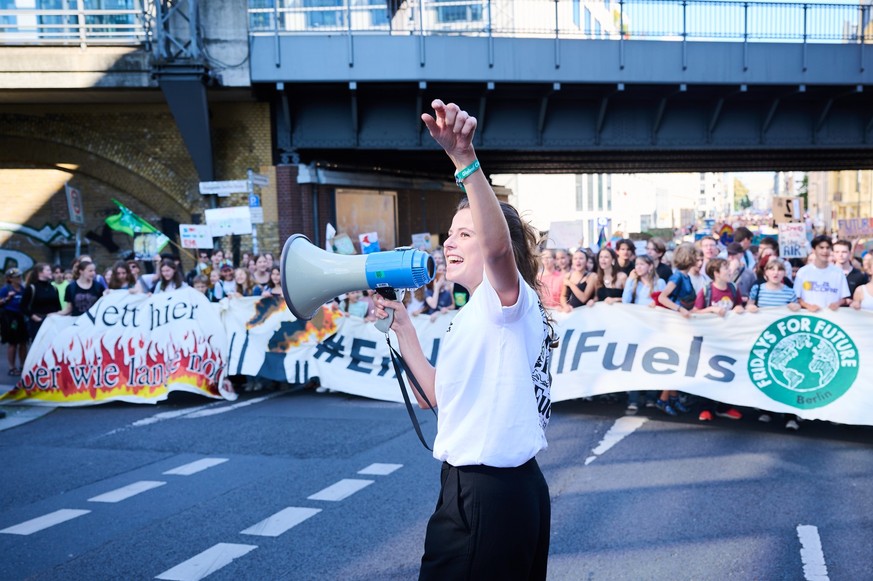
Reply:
x=127, y=347
x=566, y=234
x=805, y=364
x=369, y=242
x=195, y=236
x=792, y=240
x=135, y=348
x=421, y=241
x=855, y=227
x=230, y=220
x=787, y=209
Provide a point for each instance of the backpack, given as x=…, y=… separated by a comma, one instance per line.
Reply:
x=707, y=294
x=686, y=301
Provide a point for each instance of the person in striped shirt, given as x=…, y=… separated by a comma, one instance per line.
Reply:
x=773, y=292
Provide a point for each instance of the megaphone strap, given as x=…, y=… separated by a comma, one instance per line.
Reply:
x=399, y=363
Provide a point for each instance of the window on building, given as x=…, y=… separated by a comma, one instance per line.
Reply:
x=7, y=20
x=580, y=193
x=587, y=14
x=262, y=20
x=600, y=192
x=378, y=12
x=319, y=15
x=596, y=29
x=590, y=192
x=577, y=13
x=459, y=12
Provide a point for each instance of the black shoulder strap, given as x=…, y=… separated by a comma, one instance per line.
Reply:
x=399, y=363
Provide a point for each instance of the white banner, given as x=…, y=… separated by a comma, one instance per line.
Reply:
x=195, y=236
x=809, y=365
x=800, y=363
x=137, y=348
x=127, y=347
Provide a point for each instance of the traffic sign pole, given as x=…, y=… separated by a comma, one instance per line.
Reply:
x=251, y=189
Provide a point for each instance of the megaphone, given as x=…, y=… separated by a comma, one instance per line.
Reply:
x=312, y=276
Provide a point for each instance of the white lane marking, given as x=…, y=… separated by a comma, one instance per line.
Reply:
x=221, y=410
x=207, y=562
x=45, y=521
x=342, y=489
x=196, y=466
x=172, y=415
x=126, y=492
x=814, y=567
x=622, y=428
x=280, y=522
x=380, y=469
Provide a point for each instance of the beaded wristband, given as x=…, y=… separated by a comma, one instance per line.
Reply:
x=463, y=174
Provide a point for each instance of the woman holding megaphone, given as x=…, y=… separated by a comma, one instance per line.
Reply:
x=491, y=383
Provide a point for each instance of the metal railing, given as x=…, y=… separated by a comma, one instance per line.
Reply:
x=667, y=20
x=75, y=22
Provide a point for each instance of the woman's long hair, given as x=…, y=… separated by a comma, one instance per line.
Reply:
x=601, y=281
x=33, y=273
x=524, y=242
x=113, y=281
x=79, y=267
x=177, y=276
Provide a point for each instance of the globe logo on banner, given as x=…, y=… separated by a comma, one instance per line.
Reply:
x=804, y=362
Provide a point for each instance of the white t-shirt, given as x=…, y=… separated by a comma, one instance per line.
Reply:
x=821, y=286
x=493, y=382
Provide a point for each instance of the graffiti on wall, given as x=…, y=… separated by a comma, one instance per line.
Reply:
x=45, y=235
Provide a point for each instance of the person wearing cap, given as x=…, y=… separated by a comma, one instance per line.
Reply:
x=226, y=286
x=13, y=326
x=741, y=275
x=743, y=236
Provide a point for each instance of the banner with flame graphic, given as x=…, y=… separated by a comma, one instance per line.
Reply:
x=127, y=347
x=137, y=349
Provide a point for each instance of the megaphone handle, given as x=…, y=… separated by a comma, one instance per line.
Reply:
x=384, y=324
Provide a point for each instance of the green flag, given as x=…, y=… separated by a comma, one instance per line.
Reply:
x=131, y=224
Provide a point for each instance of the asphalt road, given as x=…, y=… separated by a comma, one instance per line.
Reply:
x=299, y=485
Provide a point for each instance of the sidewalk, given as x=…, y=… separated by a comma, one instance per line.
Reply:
x=15, y=415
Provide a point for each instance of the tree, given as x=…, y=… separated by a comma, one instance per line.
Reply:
x=741, y=195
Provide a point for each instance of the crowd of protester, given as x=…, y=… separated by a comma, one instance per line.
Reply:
x=45, y=290
x=705, y=277
x=694, y=278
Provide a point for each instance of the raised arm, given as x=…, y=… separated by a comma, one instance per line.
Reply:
x=453, y=129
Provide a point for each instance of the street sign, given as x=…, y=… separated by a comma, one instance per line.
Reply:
x=74, y=204
x=224, y=188
x=254, y=201
x=260, y=180
x=257, y=213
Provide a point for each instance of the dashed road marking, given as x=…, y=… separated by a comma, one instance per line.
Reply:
x=207, y=562
x=196, y=466
x=280, y=522
x=380, y=469
x=341, y=490
x=230, y=408
x=45, y=521
x=814, y=567
x=126, y=492
x=173, y=415
x=622, y=428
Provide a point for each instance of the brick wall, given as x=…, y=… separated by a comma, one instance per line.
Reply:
x=133, y=153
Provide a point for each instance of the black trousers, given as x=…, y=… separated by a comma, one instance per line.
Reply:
x=489, y=523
